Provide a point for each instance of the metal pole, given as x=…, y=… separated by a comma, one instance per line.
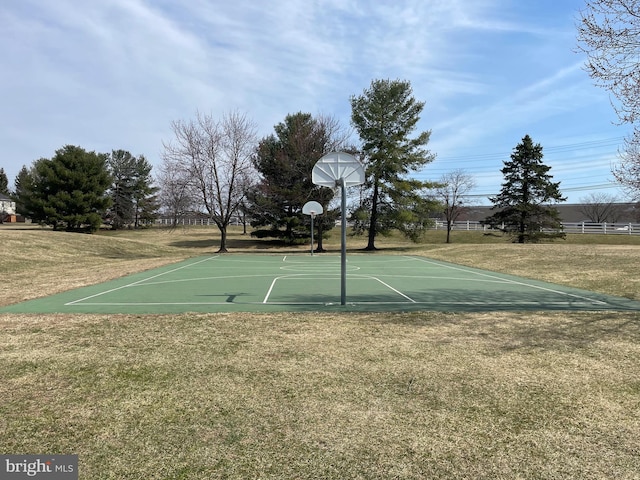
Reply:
x=343, y=256
x=312, y=215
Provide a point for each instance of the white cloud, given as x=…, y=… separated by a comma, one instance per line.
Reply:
x=114, y=74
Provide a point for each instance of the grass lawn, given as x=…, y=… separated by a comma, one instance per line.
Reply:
x=306, y=396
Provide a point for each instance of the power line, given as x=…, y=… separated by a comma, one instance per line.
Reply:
x=608, y=142
x=571, y=189
x=583, y=159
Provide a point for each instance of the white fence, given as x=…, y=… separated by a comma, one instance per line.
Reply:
x=580, y=227
x=567, y=227
x=193, y=221
x=603, y=228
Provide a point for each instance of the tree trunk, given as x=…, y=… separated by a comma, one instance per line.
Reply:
x=223, y=239
x=449, y=225
x=320, y=248
x=373, y=219
x=522, y=228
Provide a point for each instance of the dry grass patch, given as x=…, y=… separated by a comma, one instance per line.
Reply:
x=609, y=269
x=422, y=395
x=38, y=262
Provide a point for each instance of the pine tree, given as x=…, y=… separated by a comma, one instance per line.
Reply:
x=524, y=204
x=145, y=194
x=385, y=116
x=132, y=192
x=121, y=165
x=68, y=191
x=20, y=184
x=4, y=182
x=285, y=161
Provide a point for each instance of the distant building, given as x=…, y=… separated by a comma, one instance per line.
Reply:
x=569, y=213
x=7, y=206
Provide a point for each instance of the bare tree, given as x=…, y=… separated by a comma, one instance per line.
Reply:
x=600, y=208
x=454, y=186
x=609, y=33
x=175, y=192
x=627, y=172
x=216, y=158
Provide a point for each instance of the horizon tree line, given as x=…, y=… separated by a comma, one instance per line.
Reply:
x=220, y=168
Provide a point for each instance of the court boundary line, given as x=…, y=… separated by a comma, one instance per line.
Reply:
x=319, y=275
x=508, y=280
x=361, y=277
x=584, y=300
x=481, y=304
x=139, y=281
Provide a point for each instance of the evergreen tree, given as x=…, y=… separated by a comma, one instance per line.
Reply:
x=132, y=193
x=145, y=194
x=4, y=182
x=19, y=188
x=68, y=191
x=385, y=116
x=121, y=166
x=523, y=205
x=285, y=161
x=4, y=190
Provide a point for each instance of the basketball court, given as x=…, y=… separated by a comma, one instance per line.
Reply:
x=264, y=283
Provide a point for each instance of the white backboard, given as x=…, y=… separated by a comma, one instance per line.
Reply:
x=335, y=166
x=312, y=208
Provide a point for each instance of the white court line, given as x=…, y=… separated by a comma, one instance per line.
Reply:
x=510, y=281
x=199, y=279
x=489, y=278
x=140, y=281
x=142, y=304
x=361, y=277
x=273, y=283
x=397, y=291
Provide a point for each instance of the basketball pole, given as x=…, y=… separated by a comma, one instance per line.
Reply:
x=312, y=209
x=339, y=169
x=313, y=214
x=343, y=253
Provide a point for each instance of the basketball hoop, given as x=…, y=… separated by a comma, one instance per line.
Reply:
x=312, y=208
x=339, y=169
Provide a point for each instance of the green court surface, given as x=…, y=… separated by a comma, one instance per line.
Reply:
x=262, y=283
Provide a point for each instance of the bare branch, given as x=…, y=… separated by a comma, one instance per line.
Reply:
x=609, y=34
x=454, y=186
x=215, y=157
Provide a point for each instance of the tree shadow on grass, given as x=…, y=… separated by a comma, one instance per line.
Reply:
x=534, y=328
x=247, y=245
x=207, y=243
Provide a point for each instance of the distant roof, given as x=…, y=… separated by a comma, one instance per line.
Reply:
x=569, y=212
x=4, y=198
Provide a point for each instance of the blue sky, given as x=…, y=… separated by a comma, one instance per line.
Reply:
x=114, y=74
